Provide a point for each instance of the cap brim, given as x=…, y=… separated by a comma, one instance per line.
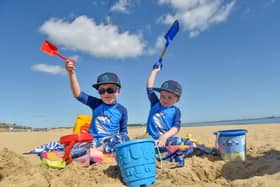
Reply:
x=95, y=86
x=161, y=89
x=98, y=84
x=158, y=89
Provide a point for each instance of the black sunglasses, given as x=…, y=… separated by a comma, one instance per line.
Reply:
x=102, y=91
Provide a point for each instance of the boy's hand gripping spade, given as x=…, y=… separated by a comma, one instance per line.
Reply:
x=52, y=50
x=168, y=38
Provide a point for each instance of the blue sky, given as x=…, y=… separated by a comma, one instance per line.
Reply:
x=226, y=56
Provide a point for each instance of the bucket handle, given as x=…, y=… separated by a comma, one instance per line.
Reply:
x=216, y=142
x=160, y=157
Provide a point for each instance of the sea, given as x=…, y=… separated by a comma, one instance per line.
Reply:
x=271, y=119
x=251, y=121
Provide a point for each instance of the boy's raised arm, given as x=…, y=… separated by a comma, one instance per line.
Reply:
x=152, y=77
x=70, y=68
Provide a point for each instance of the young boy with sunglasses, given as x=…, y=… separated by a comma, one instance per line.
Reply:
x=164, y=118
x=109, y=118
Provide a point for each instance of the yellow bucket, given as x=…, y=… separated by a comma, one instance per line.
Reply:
x=82, y=124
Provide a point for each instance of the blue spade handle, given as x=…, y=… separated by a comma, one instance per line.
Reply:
x=157, y=64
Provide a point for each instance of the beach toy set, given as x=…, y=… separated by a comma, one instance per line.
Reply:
x=136, y=160
x=232, y=144
x=76, y=148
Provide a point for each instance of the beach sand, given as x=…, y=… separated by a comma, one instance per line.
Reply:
x=261, y=168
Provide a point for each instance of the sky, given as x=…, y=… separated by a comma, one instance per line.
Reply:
x=226, y=56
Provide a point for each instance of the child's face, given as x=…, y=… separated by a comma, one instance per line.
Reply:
x=108, y=93
x=168, y=99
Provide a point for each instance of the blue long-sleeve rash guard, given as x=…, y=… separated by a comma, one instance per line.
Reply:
x=161, y=119
x=106, y=119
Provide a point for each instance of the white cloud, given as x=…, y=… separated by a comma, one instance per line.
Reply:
x=74, y=57
x=51, y=69
x=194, y=33
x=121, y=6
x=269, y=2
x=85, y=35
x=197, y=15
x=160, y=42
x=158, y=45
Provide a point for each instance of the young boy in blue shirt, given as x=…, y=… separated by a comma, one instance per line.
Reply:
x=164, y=118
x=109, y=118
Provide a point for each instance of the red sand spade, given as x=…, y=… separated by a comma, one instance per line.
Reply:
x=52, y=50
x=69, y=141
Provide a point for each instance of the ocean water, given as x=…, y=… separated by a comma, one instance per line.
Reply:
x=235, y=122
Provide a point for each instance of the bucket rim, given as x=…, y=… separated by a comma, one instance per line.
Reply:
x=232, y=132
x=133, y=142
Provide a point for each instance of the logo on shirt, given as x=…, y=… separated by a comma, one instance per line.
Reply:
x=101, y=122
x=159, y=123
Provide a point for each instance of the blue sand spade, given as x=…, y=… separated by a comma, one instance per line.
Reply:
x=168, y=38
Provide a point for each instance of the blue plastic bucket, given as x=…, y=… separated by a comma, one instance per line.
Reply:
x=136, y=159
x=232, y=144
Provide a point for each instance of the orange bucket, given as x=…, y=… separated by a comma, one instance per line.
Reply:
x=82, y=124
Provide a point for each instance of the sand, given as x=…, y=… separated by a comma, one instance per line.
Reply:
x=261, y=168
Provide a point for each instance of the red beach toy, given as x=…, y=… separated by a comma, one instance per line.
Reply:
x=69, y=141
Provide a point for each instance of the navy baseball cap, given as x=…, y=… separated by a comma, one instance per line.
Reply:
x=107, y=78
x=170, y=86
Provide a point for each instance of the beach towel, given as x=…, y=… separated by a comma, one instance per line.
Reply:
x=177, y=149
x=51, y=146
x=79, y=149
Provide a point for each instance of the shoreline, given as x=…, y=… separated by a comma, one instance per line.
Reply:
x=245, y=121
x=184, y=125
